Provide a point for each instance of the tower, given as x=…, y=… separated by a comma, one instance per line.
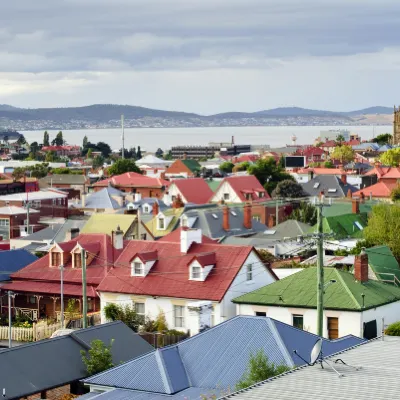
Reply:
x=396, y=125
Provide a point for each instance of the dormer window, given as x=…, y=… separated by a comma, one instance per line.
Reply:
x=55, y=259
x=226, y=196
x=77, y=260
x=138, y=269
x=261, y=194
x=248, y=196
x=161, y=223
x=195, y=273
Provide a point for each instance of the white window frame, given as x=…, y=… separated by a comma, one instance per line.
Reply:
x=135, y=266
x=138, y=305
x=249, y=272
x=179, y=316
x=161, y=226
x=4, y=222
x=193, y=273
x=226, y=196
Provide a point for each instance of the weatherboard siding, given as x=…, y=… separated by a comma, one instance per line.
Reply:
x=174, y=191
x=226, y=188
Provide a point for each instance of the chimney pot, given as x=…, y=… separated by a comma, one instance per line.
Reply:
x=118, y=239
x=225, y=219
x=361, y=267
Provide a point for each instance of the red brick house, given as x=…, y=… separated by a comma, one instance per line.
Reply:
x=132, y=182
x=14, y=222
x=49, y=203
x=313, y=154
x=37, y=286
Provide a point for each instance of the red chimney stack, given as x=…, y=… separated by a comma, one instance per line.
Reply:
x=225, y=219
x=155, y=208
x=247, y=222
x=355, y=206
x=361, y=267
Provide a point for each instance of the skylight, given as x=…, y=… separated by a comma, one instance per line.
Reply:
x=316, y=185
x=269, y=232
x=332, y=190
x=215, y=216
x=358, y=225
x=234, y=213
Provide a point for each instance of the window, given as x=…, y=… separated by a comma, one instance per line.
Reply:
x=138, y=268
x=32, y=299
x=248, y=196
x=54, y=201
x=55, y=259
x=143, y=236
x=179, y=316
x=161, y=223
x=4, y=222
x=77, y=260
x=261, y=314
x=298, y=321
x=257, y=218
x=173, y=198
x=333, y=328
x=146, y=209
x=195, y=272
x=36, y=204
x=249, y=273
x=226, y=196
x=140, y=308
x=261, y=194
x=59, y=201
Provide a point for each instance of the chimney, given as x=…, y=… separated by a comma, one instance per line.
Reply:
x=361, y=267
x=189, y=236
x=355, y=206
x=118, y=239
x=178, y=203
x=271, y=221
x=225, y=219
x=349, y=194
x=362, y=197
x=247, y=222
x=138, y=197
x=343, y=178
x=156, y=209
x=71, y=234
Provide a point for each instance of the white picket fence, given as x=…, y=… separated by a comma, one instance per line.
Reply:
x=38, y=331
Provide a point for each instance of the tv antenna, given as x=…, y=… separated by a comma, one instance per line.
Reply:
x=316, y=357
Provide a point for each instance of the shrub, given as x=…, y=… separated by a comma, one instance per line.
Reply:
x=393, y=329
x=99, y=357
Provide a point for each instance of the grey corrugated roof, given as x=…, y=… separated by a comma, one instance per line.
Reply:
x=216, y=358
x=212, y=227
x=327, y=182
x=287, y=229
x=378, y=378
x=102, y=199
x=13, y=261
x=31, y=368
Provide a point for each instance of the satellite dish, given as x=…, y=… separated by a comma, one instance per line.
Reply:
x=316, y=351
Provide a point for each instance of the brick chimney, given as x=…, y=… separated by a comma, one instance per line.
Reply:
x=225, y=219
x=156, y=209
x=247, y=220
x=343, y=178
x=271, y=221
x=349, y=194
x=355, y=206
x=361, y=267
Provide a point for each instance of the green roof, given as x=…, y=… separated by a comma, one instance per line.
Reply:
x=106, y=223
x=300, y=291
x=345, y=225
x=152, y=224
x=193, y=165
x=383, y=263
x=213, y=185
x=345, y=207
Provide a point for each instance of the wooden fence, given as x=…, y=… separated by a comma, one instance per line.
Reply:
x=37, y=332
x=161, y=339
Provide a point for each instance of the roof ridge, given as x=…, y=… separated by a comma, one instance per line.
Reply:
x=350, y=293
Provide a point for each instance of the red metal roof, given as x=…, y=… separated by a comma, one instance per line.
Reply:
x=169, y=276
x=246, y=184
x=194, y=190
x=175, y=237
x=147, y=255
x=133, y=179
x=381, y=189
x=206, y=259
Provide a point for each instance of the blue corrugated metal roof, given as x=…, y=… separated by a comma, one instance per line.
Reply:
x=14, y=260
x=215, y=359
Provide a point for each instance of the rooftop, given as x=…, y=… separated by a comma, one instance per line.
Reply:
x=40, y=195
x=194, y=190
x=107, y=223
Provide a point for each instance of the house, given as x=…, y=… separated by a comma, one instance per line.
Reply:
x=39, y=367
x=379, y=361
x=152, y=161
x=132, y=182
x=145, y=205
x=163, y=221
x=170, y=275
x=209, y=364
x=107, y=200
x=12, y=261
x=380, y=191
x=192, y=190
x=184, y=168
x=73, y=184
x=386, y=174
x=49, y=203
x=37, y=286
x=240, y=189
x=55, y=233
x=353, y=304
x=14, y=222
x=65, y=150
x=330, y=185
x=109, y=223
x=312, y=154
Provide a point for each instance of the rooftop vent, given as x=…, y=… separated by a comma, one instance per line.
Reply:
x=332, y=190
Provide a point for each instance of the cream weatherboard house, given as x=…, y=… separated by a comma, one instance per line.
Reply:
x=170, y=276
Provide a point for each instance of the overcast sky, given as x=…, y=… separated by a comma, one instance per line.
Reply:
x=204, y=56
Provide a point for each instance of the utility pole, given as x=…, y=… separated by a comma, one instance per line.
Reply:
x=84, y=298
x=10, y=295
x=123, y=136
x=276, y=211
x=62, y=296
x=320, y=271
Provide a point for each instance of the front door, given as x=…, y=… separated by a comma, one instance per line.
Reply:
x=333, y=328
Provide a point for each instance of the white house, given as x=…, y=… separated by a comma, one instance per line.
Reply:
x=168, y=276
x=353, y=304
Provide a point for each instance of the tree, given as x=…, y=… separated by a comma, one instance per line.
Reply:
x=21, y=140
x=288, y=189
x=84, y=142
x=34, y=147
x=226, y=167
x=123, y=165
x=328, y=164
x=259, y=369
x=395, y=195
x=241, y=167
x=382, y=139
x=384, y=227
x=393, y=329
x=126, y=314
x=340, y=139
x=98, y=358
x=168, y=156
x=6, y=139
x=391, y=157
x=305, y=213
x=159, y=153
x=98, y=162
x=18, y=173
x=139, y=153
x=133, y=153
x=51, y=156
x=58, y=140
x=104, y=148
x=344, y=154
x=89, y=153
x=46, y=139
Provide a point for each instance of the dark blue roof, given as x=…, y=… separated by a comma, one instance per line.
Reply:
x=215, y=359
x=12, y=261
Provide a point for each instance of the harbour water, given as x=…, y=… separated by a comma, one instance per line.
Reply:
x=151, y=139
